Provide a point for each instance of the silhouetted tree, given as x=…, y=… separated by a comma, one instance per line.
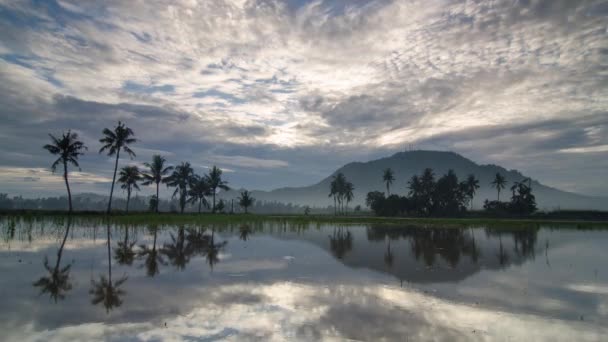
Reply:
x=114, y=142
x=57, y=283
x=157, y=173
x=214, y=179
x=152, y=257
x=499, y=183
x=245, y=200
x=199, y=190
x=128, y=177
x=340, y=242
x=68, y=148
x=106, y=291
x=180, y=179
x=388, y=178
x=221, y=205
x=472, y=184
x=177, y=251
x=244, y=232
x=349, y=188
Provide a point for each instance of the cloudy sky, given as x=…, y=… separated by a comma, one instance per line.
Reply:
x=283, y=92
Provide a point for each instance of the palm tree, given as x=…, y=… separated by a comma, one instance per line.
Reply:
x=333, y=191
x=388, y=179
x=114, y=141
x=58, y=281
x=156, y=173
x=105, y=291
x=348, y=193
x=128, y=177
x=181, y=179
x=199, y=190
x=68, y=148
x=214, y=178
x=246, y=200
x=499, y=183
x=471, y=185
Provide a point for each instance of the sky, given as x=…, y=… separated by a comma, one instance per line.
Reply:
x=282, y=93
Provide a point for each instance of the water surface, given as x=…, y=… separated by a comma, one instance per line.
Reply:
x=64, y=280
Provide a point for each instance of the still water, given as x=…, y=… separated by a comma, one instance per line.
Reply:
x=63, y=280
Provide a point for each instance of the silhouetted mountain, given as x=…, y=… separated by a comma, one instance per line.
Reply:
x=367, y=176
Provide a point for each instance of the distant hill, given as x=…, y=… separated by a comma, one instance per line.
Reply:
x=367, y=176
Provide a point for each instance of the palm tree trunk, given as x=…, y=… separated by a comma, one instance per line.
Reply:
x=113, y=180
x=60, y=251
x=128, y=198
x=200, y=201
x=157, y=201
x=335, y=206
x=498, y=200
x=214, y=200
x=388, y=191
x=67, y=185
x=109, y=259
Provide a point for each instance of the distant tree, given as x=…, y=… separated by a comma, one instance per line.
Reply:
x=199, y=190
x=68, y=148
x=388, y=177
x=245, y=200
x=180, y=179
x=114, y=141
x=128, y=177
x=214, y=179
x=349, y=195
x=375, y=201
x=153, y=204
x=523, y=201
x=306, y=210
x=499, y=183
x=341, y=189
x=471, y=185
x=221, y=205
x=157, y=173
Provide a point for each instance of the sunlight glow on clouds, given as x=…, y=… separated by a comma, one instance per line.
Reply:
x=298, y=83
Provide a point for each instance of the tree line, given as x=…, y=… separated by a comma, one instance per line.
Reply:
x=190, y=188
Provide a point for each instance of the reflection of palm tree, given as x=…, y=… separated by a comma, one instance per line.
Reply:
x=388, y=256
x=152, y=257
x=503, y=257
x=213, y=250
x=244, y=232
x=177, y=251
x=340, y=243
x=57, y=283
x=105, y=291
x=124, y=254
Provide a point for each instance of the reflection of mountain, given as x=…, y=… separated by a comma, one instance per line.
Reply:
x=367, y=177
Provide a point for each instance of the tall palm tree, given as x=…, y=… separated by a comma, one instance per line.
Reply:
x=348, y=193
x=181, y=179
x=58, y=281
x=68, y=148
x=333, y=191
x=106, y=291
x=245, y=200
x=388, y=177
x=199, y=190
x=157, y=173
x=471, y=185
x=114, y=141
x=128, y=177
x=499, y=183
x=214, y=178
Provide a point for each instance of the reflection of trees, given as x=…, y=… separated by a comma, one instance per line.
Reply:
x=193, y=242
x=389, y=258
x=340, y=242
x=57, y=283
x=124, y=253
x=152, y=257
x=244, y=232
x=213, y=250
x=177, y=251
x=105, y=291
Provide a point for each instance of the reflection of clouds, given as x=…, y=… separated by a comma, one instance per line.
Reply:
x=238, y=266
x=291, y=311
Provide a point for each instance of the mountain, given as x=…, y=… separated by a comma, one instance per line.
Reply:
x=367, y=176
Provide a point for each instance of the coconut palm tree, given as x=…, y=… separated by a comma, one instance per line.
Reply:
x=199, y=190
x=128, y=177
x=157, y=173
x=114, y=142
x=245, y=200
x=388, y=177
x=499, y=183
x=471, y=186
x=68, y=148
x=181, y=179
x=348, y=193
x=57, y=283
x=106, y=291
x=214, y=179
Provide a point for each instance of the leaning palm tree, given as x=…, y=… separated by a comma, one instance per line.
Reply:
x=114, y=141
x=388, y=177
x=128, y=177
x=68, y=148
x=499, y=183
x=181, y=179
x=157, y=173
x=214, y=178
x=199, y=190
x=471, y=186
x=245, y=200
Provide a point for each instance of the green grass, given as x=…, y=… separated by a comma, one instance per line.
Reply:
x=218, y=219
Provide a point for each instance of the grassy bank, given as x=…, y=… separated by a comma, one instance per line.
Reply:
x=203, y=219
